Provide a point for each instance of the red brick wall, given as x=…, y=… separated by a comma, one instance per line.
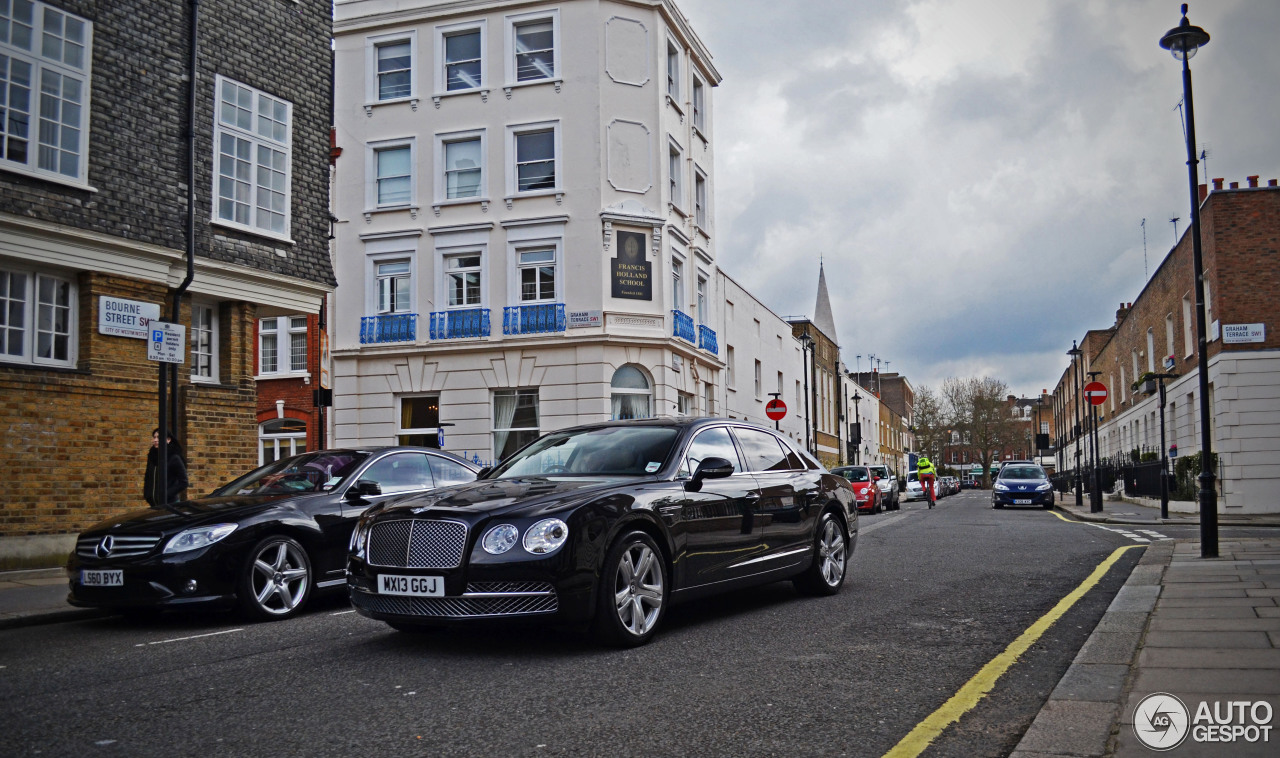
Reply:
x=297, y=394
x=76, y=440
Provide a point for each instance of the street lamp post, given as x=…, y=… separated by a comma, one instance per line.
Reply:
x=1164, y=453
x=1183, y=41
x=806, y=344
x=857, y=419
x=1095, y=493
x=1075, y=352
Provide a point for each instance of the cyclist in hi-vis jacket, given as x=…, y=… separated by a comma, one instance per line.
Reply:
x=927, y=473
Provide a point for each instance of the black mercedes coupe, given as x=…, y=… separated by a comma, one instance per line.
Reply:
x=265, y=541
x=606, y=525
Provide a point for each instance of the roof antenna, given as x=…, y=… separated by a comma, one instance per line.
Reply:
x=1144, y=249
x=1175, y=221
x=1205, y=152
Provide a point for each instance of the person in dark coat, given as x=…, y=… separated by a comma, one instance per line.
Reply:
x=177, y=474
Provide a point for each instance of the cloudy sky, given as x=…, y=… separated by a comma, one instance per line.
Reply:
x=974, y=173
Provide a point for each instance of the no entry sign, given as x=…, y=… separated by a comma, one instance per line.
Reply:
x=1095, y=392
x=775, y=409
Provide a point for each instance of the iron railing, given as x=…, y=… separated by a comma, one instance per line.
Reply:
x=533, y=319
x=682, y=326
x=707, y=339
x=452, y=325
x=395, y=327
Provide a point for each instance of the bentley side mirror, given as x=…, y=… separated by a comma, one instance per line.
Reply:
x=713, y=468
x=364, y=488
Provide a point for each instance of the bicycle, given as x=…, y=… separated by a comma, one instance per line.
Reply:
x=926, y=484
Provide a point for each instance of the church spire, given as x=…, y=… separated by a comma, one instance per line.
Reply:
x=822, y=317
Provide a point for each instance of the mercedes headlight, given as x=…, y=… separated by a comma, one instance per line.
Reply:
x=546, y=536
x=500, y=539
x=202, y=536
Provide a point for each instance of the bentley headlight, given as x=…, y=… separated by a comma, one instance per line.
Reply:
x=359, y=539
x=1000, y=487
x=500, y=539
x=201, y=536
x=546, y=536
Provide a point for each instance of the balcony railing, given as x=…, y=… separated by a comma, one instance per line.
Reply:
x=707, y=339
x=452, y=325
x=533, y=319
x=395, y=327
x=682, y=326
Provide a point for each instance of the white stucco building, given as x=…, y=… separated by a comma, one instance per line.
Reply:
x=525, y=234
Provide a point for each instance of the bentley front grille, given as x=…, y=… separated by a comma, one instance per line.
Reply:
x=418, y=543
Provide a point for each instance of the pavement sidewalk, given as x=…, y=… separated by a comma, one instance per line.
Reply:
x=1206, y=631
x=1125, y=512
x=37, y=596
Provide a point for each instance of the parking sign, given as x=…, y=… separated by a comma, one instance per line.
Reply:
x=167, y=343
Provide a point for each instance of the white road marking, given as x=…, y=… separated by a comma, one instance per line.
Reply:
x=342, y=613
x=1155, y=535
x=1130, y=534
x=192, y=637
x=885, y=522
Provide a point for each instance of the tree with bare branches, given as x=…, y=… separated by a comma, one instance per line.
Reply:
x=979, y=410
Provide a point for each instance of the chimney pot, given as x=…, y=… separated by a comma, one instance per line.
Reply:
x=1235, y=185
x=1253, y=180
x=1271, y=182
x=1217, y=183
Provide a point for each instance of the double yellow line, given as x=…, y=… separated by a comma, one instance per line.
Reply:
x=982, y=682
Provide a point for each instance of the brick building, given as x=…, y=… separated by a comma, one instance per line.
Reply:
x=1156, y=333
x=93, y=222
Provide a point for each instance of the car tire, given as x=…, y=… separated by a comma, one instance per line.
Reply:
x=825, y=576
x=275, y=581
x=633, y=593
x=1048, y=506
x=997, y=506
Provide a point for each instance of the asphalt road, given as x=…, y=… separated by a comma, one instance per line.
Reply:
x=932, y=596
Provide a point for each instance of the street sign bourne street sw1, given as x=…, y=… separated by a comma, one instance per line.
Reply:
x=1095, y=392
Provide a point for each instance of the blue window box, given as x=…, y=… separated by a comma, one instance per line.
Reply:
x=682, y=326
x=452, y=325
x=396, y=327
x=533, y=319
x=707, y=339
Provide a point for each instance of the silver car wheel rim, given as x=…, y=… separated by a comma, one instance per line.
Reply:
x=637, y=589
x=280, y=578
x=831, y=554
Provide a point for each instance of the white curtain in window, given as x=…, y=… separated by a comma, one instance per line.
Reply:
x=504, y=410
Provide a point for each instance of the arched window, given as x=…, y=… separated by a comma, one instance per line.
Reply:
x=281, y=438
x=631, y=394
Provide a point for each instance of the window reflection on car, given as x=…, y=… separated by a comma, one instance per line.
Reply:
x=316, y=472
x=608, y=451
x=1023, y=472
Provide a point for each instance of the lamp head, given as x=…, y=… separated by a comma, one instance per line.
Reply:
x=1074, y=351
x=1184, y=39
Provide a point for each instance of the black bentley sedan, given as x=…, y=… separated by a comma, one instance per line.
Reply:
x=608, y=524
x=265, y=541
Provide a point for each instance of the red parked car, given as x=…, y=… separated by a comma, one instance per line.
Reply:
x=865, y=490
